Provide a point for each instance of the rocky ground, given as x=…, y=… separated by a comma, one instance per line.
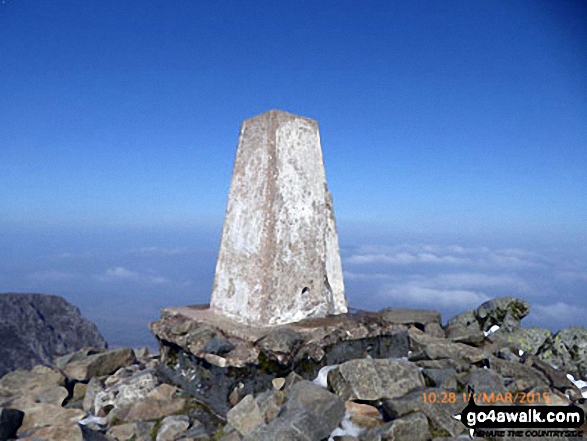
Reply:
x=121, y=394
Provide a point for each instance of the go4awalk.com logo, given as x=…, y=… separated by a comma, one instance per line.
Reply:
x=522, y=421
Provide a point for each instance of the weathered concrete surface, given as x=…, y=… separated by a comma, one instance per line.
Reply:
x=279, y=259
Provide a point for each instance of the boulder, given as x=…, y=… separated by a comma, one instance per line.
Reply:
x=172, y=427
x=425, y=320
x=413, y=427
x=34, y=328
x=504, y=313
x=88, y=363
x=567, y=351
x=372, y=380
x=136, y=431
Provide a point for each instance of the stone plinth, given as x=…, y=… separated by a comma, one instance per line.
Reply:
x=219, y=360
x=279, y=259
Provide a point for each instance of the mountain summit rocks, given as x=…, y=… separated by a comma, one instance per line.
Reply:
x=279, y=260
x=34, y=328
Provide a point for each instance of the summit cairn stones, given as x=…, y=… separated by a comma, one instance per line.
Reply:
x=279, y=259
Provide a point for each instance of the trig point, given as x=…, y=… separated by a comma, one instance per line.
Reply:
x=279, y=260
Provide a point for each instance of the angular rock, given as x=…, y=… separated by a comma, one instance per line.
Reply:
x=218, y=346
x=34, y=328
x=246, y=415
x=504, y=312
x=279, y=260
x=57, y=432
x=124, y=394
x=440, y=414
x=152, y=409
x=172, y=427
x=94, y=387
x=528, y=340
x=413, y=427
x=372, y=380
x=567, y=351
x=483, y=381
x=294, y=425
x=84, y=365
x=31, y=384
x=442, y=378
x=137, y=431
x=310, y=397
x=425, y=320
x=39, y=415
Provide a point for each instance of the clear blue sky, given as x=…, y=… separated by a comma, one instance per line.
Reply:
x=448, y=128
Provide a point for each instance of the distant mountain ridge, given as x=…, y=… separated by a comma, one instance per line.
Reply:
x=34, y=328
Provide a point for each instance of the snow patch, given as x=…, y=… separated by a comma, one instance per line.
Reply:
x=491, y=330
x=347, y=427
x=581, y=384
x=322, y=378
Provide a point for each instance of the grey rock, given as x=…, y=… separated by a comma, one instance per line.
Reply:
x=528, y=340
x=426, y=320
x=218, y=346
x=444, y=378
x=85, y=364
x=294, y=425
x=92, y=435
x=440, y=413
x=313, y=398
x=136, y=431
x=483, y=381
x=10, y=422
x=372, y=380
x=282, y=340
x=567, y=351
x=34, y=328
x=413, y=427
x=279, y=260
x=505, y=312
x=172, y=427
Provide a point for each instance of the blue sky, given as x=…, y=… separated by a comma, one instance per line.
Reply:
x=454, y=137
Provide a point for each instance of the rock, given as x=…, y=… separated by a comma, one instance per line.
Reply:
x=528, y=340
x=125, y=393
x=152, y=409
x=39, y=415
x=94, y=387
x=439, y=413
x=84, y=365
x=31, y=384
x=278, y=383
x=567, y=351
x=425, y=320
x=34, y=328
x=218, y=346
x=137, y=431
x=310, y=397
x=371, y=380
x=278, y=206
x=246, y=415
x=294, y=425
x=363, y=415
x=282, y=340
x=504, y=312
x=442, y=378
x=89, y=434
x=425, y=347
x=413, y=427
x=172, y=427
x=57, y=432
x=483, y=381
x=10, y=422
x=79, y=391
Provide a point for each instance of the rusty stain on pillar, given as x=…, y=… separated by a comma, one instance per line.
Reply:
x=279, y=260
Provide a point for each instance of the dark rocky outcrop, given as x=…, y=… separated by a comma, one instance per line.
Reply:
x=34, y=328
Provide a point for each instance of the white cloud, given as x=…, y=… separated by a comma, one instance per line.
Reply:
x=418, y=294
x=454, y=255
x=158, y=251
x=560, y=311
x=120, y=274
x=50, y=276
